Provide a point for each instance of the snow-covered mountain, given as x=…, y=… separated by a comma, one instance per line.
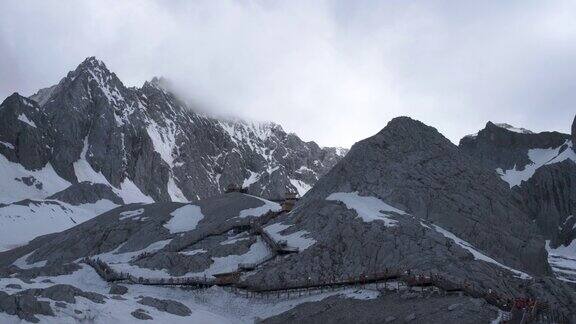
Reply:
x=144, y=144
x=452, y=239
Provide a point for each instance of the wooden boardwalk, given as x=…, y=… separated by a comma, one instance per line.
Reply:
x=391, y=279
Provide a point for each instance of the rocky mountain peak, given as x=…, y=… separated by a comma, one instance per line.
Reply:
x=94, y=74
x=160, y=83
x=574, y=134
x=402, y=135
x=413, y=168
x=505, y=148
x=19, y=103
x=90, y=127
x=406, y=130
x=92, y=63
x=14, y=99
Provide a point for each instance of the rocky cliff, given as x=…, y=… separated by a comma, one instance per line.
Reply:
x=541, y=169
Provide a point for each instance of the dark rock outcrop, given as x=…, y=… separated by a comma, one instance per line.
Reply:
x=166, y=305
x=86, y=192
x=141, y=314
x=64, y=293
x=24, y=306
x=116, y=289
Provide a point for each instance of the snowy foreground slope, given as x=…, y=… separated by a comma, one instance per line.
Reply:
x=406, y=227
x=143, y=144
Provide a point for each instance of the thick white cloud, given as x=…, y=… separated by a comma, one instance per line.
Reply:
x=332, y=71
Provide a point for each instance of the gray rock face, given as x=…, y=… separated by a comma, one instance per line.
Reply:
x=166, y=305
x=86, y=192
x=148, y=136
x=550, y=197
x=547, y=194
x=24, y=132
x=414, y=168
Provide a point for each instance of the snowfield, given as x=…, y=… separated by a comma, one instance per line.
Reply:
x=20, y=223
x=45, y=182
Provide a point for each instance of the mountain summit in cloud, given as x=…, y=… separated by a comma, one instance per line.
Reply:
x=90, y=127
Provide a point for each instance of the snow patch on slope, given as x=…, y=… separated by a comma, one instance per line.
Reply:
x=477, y=254
x=175, y=193
x=514, y=129
x=538, y=157
x=184, y=219
x=252, y=178
x=164, y=141
x=25, y=119
x=8, y=145
x=11, y=190
x=368, y=208
x=259, y=211
x=20, y=224
x=296, y=239
x=301, y=187
x=257, y=253
x=563, y=261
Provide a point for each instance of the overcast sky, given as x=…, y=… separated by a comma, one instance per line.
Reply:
x=331, y=71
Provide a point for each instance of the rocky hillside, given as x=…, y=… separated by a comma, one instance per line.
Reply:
x=407, y=197
x=541, y=169
x=144, y=143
